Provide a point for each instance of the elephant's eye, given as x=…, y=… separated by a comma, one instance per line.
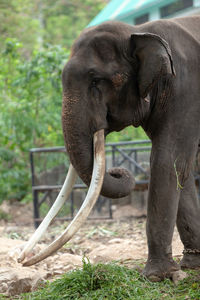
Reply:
x=95, y=81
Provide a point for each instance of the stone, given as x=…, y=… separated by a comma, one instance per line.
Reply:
x=16, y=281
x=178, y=276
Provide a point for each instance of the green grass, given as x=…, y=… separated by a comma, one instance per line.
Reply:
x=111, y=281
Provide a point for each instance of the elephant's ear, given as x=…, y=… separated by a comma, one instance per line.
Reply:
x=155, y=59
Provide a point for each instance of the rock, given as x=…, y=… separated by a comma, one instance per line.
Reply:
x=178, y=276
x=115, y=241
x=9, y=244
x=65, y=263
x=16, y=281
x=154, y=278
x=3, y=288
x=57, y=272
x=75, y=260
x=118, y=249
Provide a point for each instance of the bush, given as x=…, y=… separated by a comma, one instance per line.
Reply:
x=30, y=111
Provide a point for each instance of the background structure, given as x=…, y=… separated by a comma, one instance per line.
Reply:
x=141, y=11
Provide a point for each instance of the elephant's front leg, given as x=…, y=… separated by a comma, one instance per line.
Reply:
x=161, y=216
x=188, y=223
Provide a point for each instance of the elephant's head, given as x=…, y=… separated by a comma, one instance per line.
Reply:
x=105, y=82
x=109, y=82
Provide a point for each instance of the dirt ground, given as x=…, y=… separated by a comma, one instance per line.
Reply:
x=121, y=239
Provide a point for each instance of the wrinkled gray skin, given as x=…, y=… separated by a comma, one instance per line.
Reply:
x=148, y=75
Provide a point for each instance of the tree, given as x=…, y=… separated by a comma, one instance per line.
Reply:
x=57, y=22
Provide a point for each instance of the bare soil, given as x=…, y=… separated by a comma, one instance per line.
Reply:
x=122, y=238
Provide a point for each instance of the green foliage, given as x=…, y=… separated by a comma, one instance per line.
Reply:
x=59, y=15
x=178, y=185
x=114, y=282
x=30, y=111
x=46, y=21
x=128, y=134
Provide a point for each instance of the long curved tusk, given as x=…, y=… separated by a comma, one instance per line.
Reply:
x=90, y=200
x=59, y=202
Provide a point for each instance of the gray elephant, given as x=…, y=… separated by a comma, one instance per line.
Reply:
x=147, y=75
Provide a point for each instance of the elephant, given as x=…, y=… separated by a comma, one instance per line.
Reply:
x=146, y=75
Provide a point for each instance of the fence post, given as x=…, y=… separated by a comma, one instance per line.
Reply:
x=113, y=155
x=36, y=209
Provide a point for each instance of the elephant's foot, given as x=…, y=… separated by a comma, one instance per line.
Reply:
x=191, y=259
x=159, y=269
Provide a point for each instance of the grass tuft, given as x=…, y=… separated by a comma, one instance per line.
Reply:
x=178, y=185
x=110, y=282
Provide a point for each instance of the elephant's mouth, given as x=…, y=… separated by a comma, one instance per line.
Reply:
x=89, y=202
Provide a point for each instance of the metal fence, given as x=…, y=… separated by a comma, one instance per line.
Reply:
x=49, y=169
x=132, y=155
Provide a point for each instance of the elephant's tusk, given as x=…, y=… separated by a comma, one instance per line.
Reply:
x=90, y=200
x=62, y=197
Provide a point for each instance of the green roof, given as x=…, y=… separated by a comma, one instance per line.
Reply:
x=118, y=8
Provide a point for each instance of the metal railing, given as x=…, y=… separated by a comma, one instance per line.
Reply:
x=128, y=154
x=117, y=155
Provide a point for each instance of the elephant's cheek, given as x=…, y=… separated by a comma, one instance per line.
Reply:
x=98, y=118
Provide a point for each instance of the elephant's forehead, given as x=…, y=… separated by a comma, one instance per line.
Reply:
x=81, y=64
x=99, y=45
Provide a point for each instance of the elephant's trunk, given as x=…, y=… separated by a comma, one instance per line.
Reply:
x=84, y=211
x=78, y=136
